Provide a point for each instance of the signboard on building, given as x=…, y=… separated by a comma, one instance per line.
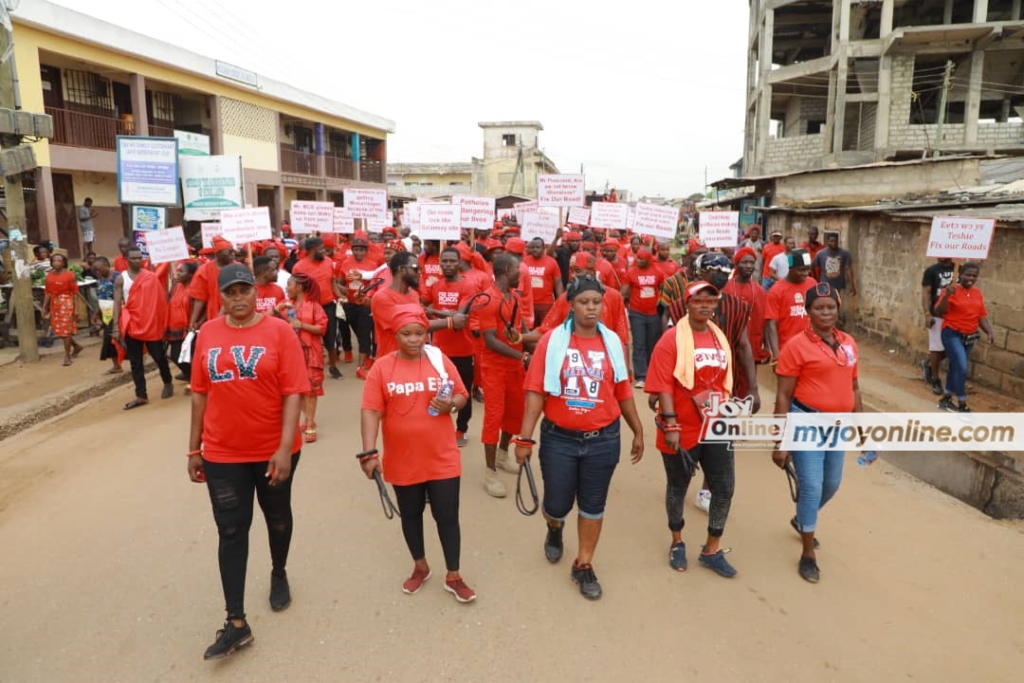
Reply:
x=561, y=189
x=343, y=221
x=657, y=220
x=235, y=73
x=720, y=229
x=210, y=185
x=166, y=245
x=440, y=221
x=147, y=171
x=477, y=212
x=149, y=218
x=960, y=237
x=367, y=203
x=209, y=231
x=192, y=144
x=579, y=215
x=609, y=215
x=309, y=217
x=542, y=223
x=246, y=225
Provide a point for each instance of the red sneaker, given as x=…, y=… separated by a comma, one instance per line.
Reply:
x=348, y=357
x=416, y=581
x=460, y=590
x=361, y=373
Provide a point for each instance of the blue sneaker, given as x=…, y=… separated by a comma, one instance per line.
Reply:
x=677, y=557
x=718, y=564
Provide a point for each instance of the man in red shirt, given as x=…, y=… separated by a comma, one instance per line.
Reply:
x=611, y=269
x=358, y=271
x=641, y=289
x=770, y=251
x=268, y=293
x=319, y=267
x=812, y=245
x=517, y=249
x=743, y=287
x=430, y=265
x=545, y=278
x=203, y=290
x=785, y=308
x=664, y=261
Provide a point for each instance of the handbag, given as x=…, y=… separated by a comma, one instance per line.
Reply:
x=185, y=356
x=701, y=400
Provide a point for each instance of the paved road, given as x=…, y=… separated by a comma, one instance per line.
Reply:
x=109, y=574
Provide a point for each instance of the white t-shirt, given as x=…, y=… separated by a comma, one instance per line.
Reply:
x=780, y=265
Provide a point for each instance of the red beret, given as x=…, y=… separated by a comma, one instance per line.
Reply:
x=745, y=251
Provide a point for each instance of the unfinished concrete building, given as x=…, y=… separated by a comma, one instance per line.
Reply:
x=845, y=82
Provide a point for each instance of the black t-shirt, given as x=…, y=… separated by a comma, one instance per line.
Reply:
x=562, y=256
x=938, y=277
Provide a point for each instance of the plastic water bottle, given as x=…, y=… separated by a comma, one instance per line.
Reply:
x=867, y=457
x=443, y=392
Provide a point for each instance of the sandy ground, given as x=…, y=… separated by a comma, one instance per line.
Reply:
x=109, y=573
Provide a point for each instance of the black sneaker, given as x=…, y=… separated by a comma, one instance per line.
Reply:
x=926, y=369
x=947, y=404
x=280, y=593
x=583, y=575
x=937, y=387
x=809, y=570
x=181, y=377
x=335, y=372
x=962, y=408
x=553, y=544
x=229, y=639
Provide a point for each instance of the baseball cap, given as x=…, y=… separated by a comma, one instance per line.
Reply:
x=799, y=257
x=698, y=287
x=233, y=274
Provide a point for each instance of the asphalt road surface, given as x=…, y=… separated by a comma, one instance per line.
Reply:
x=109, y=573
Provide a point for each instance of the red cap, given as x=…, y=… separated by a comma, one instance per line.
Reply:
x=573, y=236
x=516, y=246
x=465, y=252
x=694, y=244
x=698, y=287
x=493, y=244
x=644, y=253
x=329, y=240
x=611, y=243
x=583, y=259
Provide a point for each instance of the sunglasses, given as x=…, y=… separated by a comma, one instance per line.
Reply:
x=416, y=268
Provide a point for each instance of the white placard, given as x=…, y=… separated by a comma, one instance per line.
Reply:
x=659, y=221
x=608, y=215
x=477, y=212
x=960, y=237
x=367, y=203
x=440, y=222
x=561, y=190
x=309, y=217
x=579, y=215
x=246, y=225
x=166, y=245
x=209, y=231
x=390, y=219
x=543, y=224
x=719, y=229
x=502, y=214
x=210, y=185
x=523, y=209
x=376, y=225
x=343, y=221
x=630, y=218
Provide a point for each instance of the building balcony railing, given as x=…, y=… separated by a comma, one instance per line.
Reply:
x=336, y=167
x=371, y=171
x=75, y=129
x=295, y=161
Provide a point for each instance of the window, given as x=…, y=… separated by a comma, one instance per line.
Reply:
x=163, y=108
x=508, y=140
x=815, y=127
x=89, y=92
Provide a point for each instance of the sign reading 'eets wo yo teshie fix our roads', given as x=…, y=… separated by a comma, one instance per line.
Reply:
x=960, y=237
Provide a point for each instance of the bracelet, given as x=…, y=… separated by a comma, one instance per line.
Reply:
x=665, y=416
x=195, y=452
x=525, y=443
x=672, y=428
x=364, y=454
x=367, y=457
x=451, y=323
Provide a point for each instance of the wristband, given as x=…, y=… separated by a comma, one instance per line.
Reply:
x=665, y=416
x=366, y=454
x=195, y=452
x=671, y=428
x=525, y=443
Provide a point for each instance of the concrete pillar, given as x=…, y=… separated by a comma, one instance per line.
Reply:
x=216, y=127
x=980, y=11
x=887, y=8
x=844, y=22
x=278, y=206
x=1015, y=10
x=137, y=83
x=947, y=12
x=973, y=108
x=839, y=127
x=46, y=206
x=764, y=106
x=882, y=118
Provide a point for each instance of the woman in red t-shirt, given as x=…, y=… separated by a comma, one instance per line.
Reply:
x=248, y=378
x=179, y=312
x=817, y=373
x=307, y=318
x=59, y=305
x=691, y=372
x=578, y=379
x=420, y=455
x=963, y=313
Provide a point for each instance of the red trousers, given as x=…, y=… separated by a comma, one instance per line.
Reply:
x=504, y=399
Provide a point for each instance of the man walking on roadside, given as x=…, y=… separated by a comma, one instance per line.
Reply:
x=936, y=278
x=86, y=214
x=834, y=265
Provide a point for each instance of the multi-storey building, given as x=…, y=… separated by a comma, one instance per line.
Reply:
x=99, y=81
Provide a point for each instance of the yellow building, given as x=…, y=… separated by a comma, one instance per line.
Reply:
x=429, y=180
x=98, y=81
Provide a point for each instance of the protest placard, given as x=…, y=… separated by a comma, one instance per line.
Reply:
x=343, y=222
x=246, y=225
x=502, y=214
x=523, y=209
x=543, y=224
x=309, y=217
x=659, y=221
x=367, y=203
x=608, y=215
x=579, y=215
x=440, y=221
x=209, y=231
x=960, y=237
x=477, y=212
x=560, y=189
x=376, y=225
x=720, y=229
x=166, y=245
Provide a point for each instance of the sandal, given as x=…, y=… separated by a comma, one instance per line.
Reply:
x=310, y=436
x=67, y=362
x=113, y=371
x=135, y=403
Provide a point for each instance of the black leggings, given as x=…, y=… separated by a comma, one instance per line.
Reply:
x=464, y=364
x=361, y=322
x=231, y=487
x=174, y=349
x=716, y=460
x=156, y=350
x=444, y=506
x=331, y=333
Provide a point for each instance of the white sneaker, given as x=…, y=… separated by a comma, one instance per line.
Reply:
x=703, y=500
x=506, y=462
x=639, y=384
x=493, y=485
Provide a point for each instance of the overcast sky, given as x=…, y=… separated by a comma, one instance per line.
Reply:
x=644, y=95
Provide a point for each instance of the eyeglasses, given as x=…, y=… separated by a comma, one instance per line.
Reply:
x=411, y=267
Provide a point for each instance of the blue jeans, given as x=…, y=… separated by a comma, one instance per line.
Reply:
x=818, y=474
x=646, y=330
x=577, y=470
x=767, y=282
x=957, y=352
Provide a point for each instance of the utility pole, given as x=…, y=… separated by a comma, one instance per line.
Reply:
x=16, y=257
x=942, y=106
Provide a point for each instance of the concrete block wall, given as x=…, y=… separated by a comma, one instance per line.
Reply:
x=902, y=84
x=787, y=154
x=923, y=136
x=1000, y=135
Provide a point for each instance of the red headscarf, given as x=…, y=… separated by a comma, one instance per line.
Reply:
x=407, y=314
x=740, y=253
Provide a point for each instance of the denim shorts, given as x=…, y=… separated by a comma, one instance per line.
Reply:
x=577, y=470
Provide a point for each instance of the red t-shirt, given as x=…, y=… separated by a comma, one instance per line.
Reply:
x=494, y=316
x=204, y=288
x=245, y=374
x=312, y=313
x=542, y=274
x=382, y=306
x=179, y=310
x=824, y=378
x=644, y=286
x=966, y=308
x=710, y=365
x=607, y=274
x=449, y=296
x=590, y=395
x=525, y=292
x=268, y=297
x=668, y=267
x=430, y=271
x=322, y=272
x=785, y=305
x=769, y=251
x=366, y=268
x=64, y=283
x=754, y=295
x=418, y=447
